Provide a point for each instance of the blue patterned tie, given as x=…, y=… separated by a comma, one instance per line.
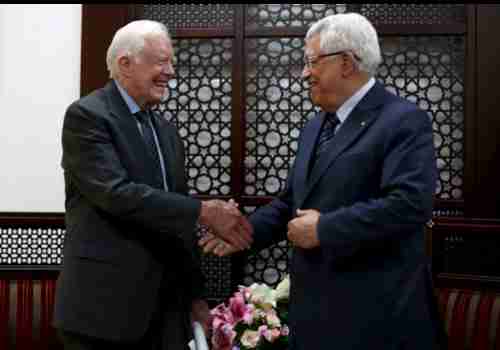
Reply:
x=327, y=133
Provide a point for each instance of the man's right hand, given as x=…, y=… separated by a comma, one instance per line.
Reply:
x=215, y=245
x=226, y=221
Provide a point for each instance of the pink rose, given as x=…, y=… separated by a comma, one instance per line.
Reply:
x=249, y=313
x=221, y=315
x=238, y=307
x=265, y=332
x=223, y=337
x=269, y=334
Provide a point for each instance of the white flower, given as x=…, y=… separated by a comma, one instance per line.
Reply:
x=263, y=295
x=250, y=339
x=283, y=289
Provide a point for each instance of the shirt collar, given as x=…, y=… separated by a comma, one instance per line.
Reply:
x=131, y=104
x=347, y=107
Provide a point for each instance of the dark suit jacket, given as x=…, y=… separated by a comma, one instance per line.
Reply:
x=124, y=233
x=368, y=285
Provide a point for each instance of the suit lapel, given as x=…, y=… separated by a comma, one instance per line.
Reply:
x=128, y=127
x=303, y=160
x=353, y=127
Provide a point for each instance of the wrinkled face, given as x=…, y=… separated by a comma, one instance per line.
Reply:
x=324, y=75
x=150, y=71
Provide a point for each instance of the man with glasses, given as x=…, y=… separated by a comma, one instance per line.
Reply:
x=355, y=205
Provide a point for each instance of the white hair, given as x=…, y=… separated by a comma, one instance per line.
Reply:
x=349, y=32
x=130, y=40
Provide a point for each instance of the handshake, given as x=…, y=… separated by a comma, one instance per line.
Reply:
x=230, y=231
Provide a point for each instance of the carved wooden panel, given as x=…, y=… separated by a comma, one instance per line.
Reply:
x=31, y=246
x=428, y=71
x=199, y=103
x=177, y=16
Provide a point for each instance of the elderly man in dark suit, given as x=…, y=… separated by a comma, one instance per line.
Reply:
x=356, y=201
x=131, y=276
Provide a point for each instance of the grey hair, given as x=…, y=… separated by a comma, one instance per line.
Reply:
x=349, y=32
x=130, y=40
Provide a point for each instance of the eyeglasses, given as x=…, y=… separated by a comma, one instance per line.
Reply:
x=311, y=62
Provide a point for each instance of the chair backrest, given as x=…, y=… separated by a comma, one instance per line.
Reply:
x=26, y=307
x=471, y=317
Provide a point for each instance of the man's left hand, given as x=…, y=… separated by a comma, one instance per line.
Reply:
x=302, y=231
x=201, y=312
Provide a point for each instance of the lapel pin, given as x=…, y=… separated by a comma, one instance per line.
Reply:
x=363, y=123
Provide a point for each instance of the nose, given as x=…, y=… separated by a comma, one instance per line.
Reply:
x=306, y=72
x=168, y=69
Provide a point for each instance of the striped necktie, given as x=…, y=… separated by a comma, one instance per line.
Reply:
x=327, y=133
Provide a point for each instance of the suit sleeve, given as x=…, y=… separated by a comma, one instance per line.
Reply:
x=408, y=178
x=92, y=165
x=270, y=222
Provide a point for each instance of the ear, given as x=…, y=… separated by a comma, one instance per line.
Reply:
x=124, y=65
x=348, y=65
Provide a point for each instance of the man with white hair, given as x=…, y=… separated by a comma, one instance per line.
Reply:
x=355, y=205
x=131, y=277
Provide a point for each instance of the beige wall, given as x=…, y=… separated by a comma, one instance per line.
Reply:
x=39, y=78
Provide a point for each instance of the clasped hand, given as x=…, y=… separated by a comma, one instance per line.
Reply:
x=302, y=232
x=226, y=222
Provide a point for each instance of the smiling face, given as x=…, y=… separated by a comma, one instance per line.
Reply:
x=147, y=74
x=326, y=76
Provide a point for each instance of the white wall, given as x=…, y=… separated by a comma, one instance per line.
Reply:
x=39, y=77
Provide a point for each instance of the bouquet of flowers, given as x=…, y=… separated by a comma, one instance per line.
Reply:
x=256, y=318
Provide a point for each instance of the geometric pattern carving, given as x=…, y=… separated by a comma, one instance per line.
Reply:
x=429, y=71
x=447, y=212
x=198, y=101
x=413, y=13
x=217, y=272
x=289, y=15
x=277, y=107
x=270, y=265
x=191, y=15
x=302, y=15
x=31, y=246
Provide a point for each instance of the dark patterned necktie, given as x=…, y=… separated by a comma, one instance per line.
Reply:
x=327, y=133
x=325, y=137
x=147, y=133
